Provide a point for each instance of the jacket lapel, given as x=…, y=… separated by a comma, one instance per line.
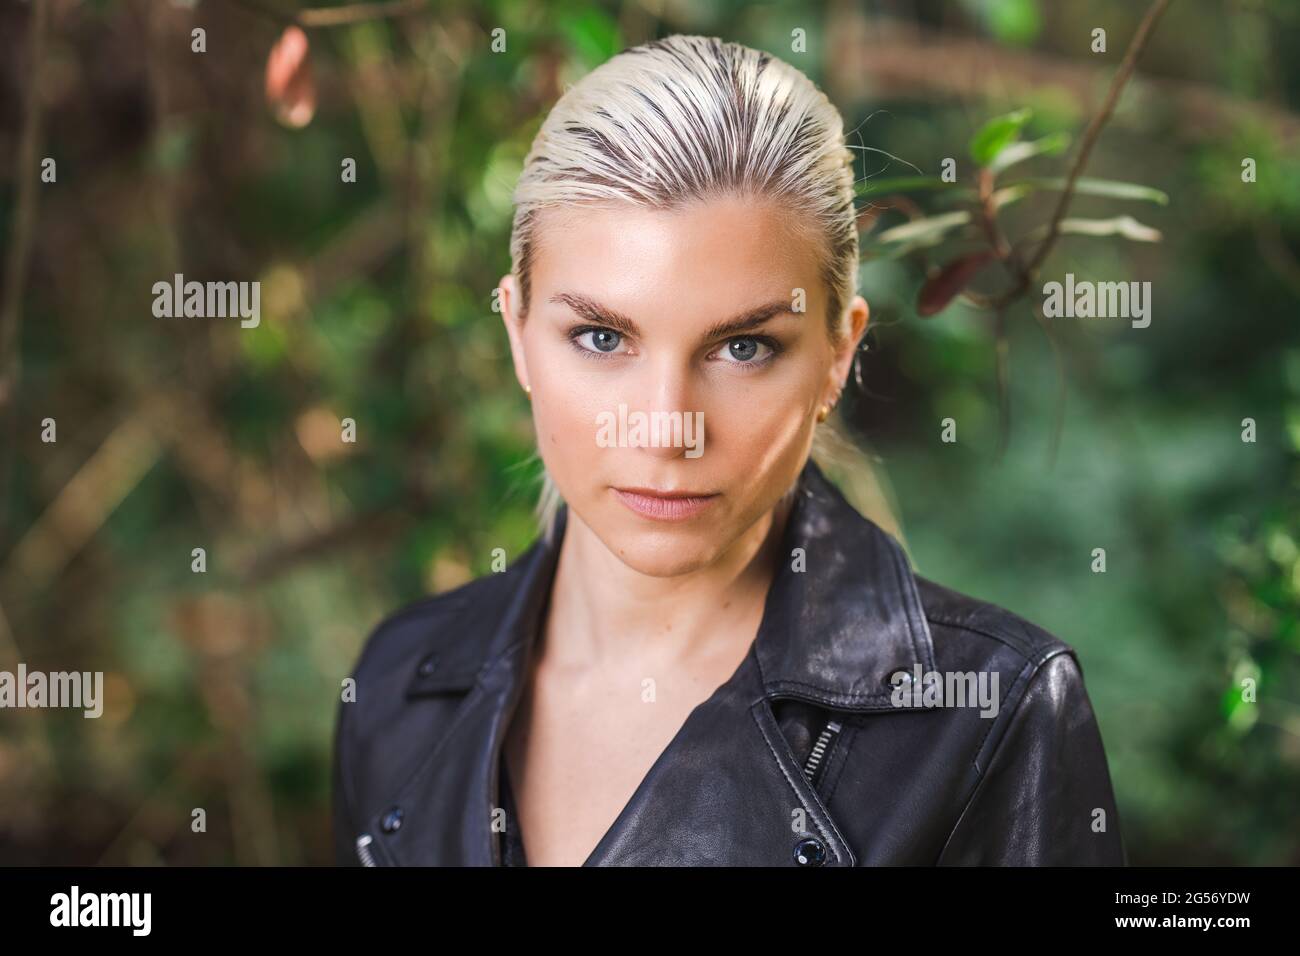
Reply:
x=834, y=632
x=842, y=615
x=725, y=791
x=448, y=802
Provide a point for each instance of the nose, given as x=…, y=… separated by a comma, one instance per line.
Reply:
x=674, y=420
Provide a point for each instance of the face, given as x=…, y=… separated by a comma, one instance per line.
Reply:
x=677, y=361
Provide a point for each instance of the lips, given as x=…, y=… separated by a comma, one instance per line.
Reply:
x=665, y=505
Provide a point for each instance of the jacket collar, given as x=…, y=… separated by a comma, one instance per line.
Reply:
x=842, y=614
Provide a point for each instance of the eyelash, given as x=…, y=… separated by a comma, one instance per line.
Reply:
x=775, y=347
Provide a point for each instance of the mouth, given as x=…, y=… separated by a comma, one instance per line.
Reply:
x=666, y=505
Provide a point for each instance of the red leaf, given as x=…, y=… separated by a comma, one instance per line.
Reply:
x=944, y=286
x=290, y=88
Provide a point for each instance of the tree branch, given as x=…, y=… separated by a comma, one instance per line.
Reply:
x=19, y=247
x=1090, y=137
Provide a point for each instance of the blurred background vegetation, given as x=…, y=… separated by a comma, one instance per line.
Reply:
x=376, y=305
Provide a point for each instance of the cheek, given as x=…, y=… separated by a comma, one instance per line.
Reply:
x=565, y=406
x=757, y=421
x=760, y=454
x=563, y=421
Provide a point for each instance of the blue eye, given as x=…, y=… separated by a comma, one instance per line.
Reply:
x=743, y=351
x=604, y=341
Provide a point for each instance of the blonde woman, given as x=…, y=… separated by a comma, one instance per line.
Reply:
x=709, y=656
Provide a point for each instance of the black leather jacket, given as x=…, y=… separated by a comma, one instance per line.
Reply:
x=803, y=757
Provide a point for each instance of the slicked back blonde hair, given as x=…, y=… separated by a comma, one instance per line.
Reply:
x=685, y=119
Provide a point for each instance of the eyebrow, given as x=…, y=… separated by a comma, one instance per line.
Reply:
x=593, y=311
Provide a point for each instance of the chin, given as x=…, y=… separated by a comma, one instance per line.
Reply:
x=663, y=552
x=661, y=563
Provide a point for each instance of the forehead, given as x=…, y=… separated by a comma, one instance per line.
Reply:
x=718, y=249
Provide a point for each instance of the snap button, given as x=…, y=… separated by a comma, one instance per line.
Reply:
x=810, y=851
x=392, y=820
x=428, y=665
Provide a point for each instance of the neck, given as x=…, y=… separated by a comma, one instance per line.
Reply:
x=633, y=618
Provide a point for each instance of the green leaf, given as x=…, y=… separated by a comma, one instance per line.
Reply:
x=997, y=134
x=903, y=240
x=900, y=184
x=593, y=35
x=1124, y=226
x=1101, y=187
x=1014, y=21
x=927, y=229
x=1018, y=152
x=1007, y=195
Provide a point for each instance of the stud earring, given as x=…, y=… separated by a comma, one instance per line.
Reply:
x=528, y=390
x=823, y=413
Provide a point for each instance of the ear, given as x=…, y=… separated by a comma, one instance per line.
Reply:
x=859, y=313
x=511, y=300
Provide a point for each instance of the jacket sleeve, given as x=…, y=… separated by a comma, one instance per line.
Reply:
x=1045, y=798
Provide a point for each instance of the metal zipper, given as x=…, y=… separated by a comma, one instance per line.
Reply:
x=820, y=749
x=364, y=851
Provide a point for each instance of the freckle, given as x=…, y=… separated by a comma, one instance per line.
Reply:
x=726, y=605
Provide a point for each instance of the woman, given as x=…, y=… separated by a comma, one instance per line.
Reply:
x=708, y=657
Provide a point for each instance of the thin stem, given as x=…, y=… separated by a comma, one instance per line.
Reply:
x=1004, y=383
x=15, y=267
x=357, y=12
x=336, y=16
x=1025, y=272
x=1090, y=137
x=1024, y=276
x=1058, y=424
